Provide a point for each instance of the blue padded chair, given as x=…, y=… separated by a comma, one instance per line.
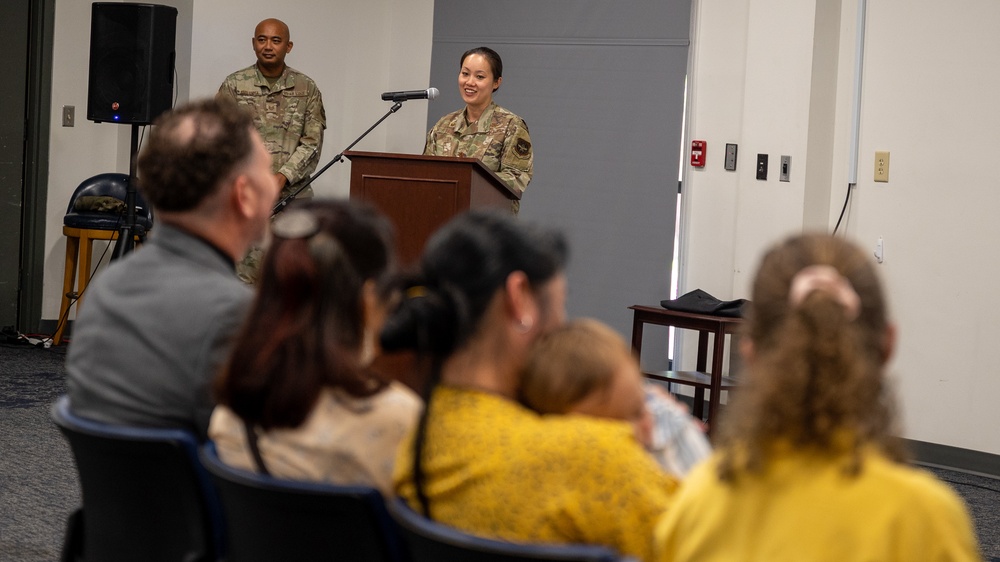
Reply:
x=145, y=494
x=274, y=519
x=82, y=227
x=428, y=541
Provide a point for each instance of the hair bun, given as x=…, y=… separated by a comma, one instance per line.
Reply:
x=426, y=321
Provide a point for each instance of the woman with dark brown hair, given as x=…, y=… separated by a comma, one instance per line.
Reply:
x=487, y=287
x=482, y=129
x=297, y=399
x=808, y=466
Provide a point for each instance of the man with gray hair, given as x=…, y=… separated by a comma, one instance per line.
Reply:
x=157, y=324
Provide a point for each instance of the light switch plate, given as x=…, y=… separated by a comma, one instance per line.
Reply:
x=786, y=168
x=731, y=157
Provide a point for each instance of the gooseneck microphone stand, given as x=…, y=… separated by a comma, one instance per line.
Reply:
x=288, y=199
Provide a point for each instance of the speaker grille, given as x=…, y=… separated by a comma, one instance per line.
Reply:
x=131, y=62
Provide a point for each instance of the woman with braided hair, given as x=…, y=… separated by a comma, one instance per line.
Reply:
x=807, y=464
x=488, y=286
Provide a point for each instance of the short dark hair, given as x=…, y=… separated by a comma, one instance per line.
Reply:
x=304, y=330
x=191, y=151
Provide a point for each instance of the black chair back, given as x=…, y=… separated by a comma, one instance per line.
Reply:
x=428, y=541
x=145, y=494
x=273, y=519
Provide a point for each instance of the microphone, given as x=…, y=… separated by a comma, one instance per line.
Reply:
x=428, y=94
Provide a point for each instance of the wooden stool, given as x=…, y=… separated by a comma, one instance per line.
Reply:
x=75, y=239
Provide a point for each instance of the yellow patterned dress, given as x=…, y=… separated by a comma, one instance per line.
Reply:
x=496, y=469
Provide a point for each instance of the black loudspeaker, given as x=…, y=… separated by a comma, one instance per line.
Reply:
x=131, y=62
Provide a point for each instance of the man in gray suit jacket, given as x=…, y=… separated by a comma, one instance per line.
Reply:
x=157, y=324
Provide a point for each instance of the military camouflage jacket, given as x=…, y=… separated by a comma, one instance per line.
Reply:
x=499, y=140
x=289, y=116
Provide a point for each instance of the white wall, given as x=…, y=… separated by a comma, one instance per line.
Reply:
x=75, y=153
x=354, y=51
x=775, y=76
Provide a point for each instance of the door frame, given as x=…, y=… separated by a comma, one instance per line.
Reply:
x=36, y=165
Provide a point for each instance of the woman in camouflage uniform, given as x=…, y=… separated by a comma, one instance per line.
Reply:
x=483, y=129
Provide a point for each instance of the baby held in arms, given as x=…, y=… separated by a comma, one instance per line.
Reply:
x=586, y=368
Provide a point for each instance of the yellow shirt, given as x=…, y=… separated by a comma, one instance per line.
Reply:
x=803, y=507
x=496, y=469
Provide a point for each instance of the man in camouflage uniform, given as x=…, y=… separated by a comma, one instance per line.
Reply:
x=287, y=110
x=499, y=139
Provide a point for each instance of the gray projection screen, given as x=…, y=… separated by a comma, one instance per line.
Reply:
x=601, y=87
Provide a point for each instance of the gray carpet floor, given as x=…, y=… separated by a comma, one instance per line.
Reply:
x=38, y=485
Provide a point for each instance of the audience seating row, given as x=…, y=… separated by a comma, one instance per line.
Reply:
x=154, y=494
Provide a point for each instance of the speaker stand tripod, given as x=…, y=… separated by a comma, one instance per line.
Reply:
x=129, y=229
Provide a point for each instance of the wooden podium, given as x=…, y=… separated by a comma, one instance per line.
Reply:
x=420, y=193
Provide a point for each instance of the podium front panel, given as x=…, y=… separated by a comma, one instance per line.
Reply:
x=421, y=193
x=417, y=207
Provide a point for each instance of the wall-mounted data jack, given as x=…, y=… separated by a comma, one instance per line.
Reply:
x=762, y=167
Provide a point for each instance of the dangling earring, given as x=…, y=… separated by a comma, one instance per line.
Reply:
x=367, y=348
x=525, y=324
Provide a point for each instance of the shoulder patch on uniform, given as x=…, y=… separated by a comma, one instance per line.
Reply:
x=522, y=148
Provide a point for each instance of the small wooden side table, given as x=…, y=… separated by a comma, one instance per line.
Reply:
x=703, y=378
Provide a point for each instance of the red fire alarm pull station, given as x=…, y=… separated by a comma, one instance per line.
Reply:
x=698, y=150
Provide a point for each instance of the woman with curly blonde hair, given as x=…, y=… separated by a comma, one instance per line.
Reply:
x=808, y=466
